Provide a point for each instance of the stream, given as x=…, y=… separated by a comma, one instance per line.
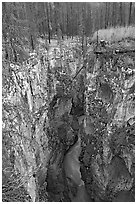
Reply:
x=72, y=171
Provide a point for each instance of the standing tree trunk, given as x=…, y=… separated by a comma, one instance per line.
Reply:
x=106, y=16
x=29, y=9
x=123, y=14
x=67, y=20
x=130, y=9
x=113, y=14
x=48, y=20
x=120, y=12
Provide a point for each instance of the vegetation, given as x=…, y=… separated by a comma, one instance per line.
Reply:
x=115, y=34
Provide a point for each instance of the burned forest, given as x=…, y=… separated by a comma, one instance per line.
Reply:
x=68, y=102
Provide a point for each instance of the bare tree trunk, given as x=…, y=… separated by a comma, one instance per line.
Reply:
x=123, y=15
x=106, y=15
x=48, y=20
x=120, y=12
x=29, y=9
x=130, y=9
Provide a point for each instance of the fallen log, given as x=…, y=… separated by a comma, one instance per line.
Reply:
x=118, y=51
